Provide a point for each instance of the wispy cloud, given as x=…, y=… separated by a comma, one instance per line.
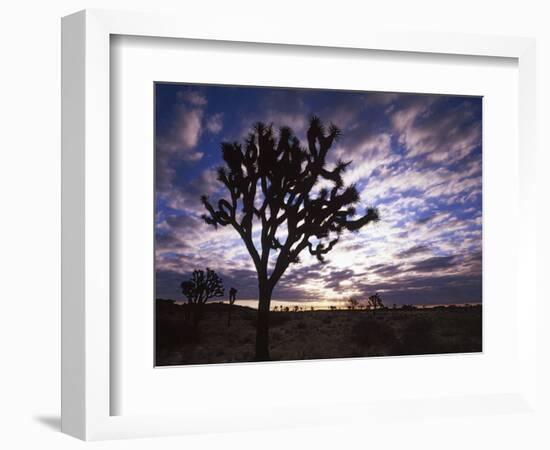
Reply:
x=214, y=124
x=192, y=97
x=427, y=127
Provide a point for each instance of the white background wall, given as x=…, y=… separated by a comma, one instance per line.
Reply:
x=30, y=198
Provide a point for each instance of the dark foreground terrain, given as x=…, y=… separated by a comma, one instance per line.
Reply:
x=313, y=334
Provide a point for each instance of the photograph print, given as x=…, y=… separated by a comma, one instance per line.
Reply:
x=303, y=224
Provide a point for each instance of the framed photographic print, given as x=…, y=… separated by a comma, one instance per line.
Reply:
x=265, y=249
x=251, y=219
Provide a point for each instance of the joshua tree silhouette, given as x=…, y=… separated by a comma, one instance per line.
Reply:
x=270, y=181
x=199, y=289
x=375, y=301
x=353, y=303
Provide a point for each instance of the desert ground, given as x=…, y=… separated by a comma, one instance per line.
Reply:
x=316, y=334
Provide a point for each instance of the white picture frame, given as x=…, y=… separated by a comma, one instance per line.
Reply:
x=86, y=284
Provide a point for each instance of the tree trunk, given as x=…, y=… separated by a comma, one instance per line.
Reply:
x=262, y=327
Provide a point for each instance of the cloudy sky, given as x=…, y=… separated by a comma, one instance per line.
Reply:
x=417, y=158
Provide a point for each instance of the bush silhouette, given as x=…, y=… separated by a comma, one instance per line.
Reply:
x=271, y=179
x=198, y=290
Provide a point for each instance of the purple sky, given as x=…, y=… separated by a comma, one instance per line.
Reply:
x=417, y=158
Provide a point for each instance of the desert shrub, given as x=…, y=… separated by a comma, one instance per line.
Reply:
x=170, y=333
x=418, y=337
x=370, y=331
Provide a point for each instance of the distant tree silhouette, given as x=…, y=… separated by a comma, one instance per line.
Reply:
x=375, y=302
x=332, y=308
x=408, y=307
x=199, y=289
x=296, y=308
x=232, y=298
x=352, y=303
x=270, y=180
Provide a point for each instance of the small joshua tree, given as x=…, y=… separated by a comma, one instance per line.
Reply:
x=270, y=181
x=375, y=302
x=199, y=289
x=352, y=303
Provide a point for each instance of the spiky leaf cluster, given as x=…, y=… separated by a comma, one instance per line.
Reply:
x=271, y=178
x=202, y=286
x=375, y=301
